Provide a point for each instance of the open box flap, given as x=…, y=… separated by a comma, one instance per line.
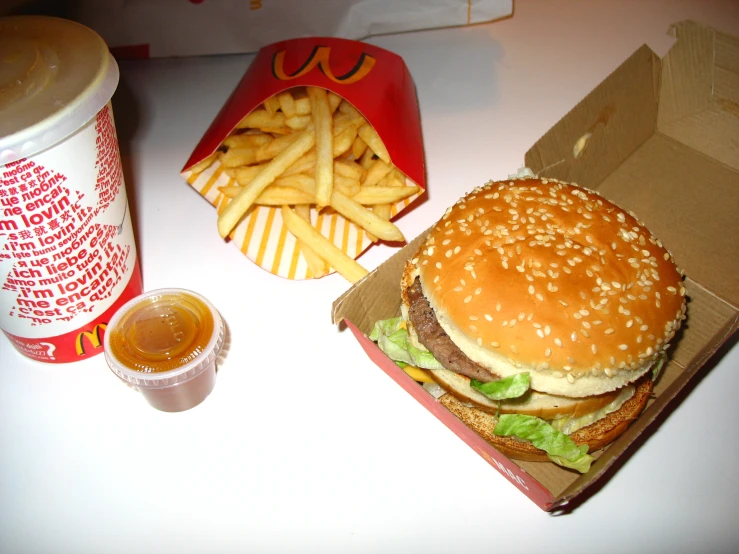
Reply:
x=699, y=96
x=609, y=124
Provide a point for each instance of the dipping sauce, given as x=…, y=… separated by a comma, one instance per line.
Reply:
x=162, y=333
x=164, y=343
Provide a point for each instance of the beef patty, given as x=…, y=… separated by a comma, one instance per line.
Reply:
x=435, y=339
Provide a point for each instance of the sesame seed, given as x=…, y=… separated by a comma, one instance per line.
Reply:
x=495, y=344
x=570, y=378
x=558, y=342
x=467, y=299
x=548, y=352
x=514, y=349
x=623, y=346
x=488, y=317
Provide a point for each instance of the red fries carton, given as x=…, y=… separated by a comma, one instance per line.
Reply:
x=374, y=81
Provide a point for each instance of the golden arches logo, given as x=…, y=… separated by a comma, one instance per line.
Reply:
x=93, y=337
x=320, y=58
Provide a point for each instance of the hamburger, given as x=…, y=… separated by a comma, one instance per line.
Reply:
x=544, y=312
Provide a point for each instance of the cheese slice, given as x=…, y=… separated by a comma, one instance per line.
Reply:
x=545, y=406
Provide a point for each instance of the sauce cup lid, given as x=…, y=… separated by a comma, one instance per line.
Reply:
x=125, y=346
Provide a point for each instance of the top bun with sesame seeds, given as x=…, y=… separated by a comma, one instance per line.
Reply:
x=541, y=276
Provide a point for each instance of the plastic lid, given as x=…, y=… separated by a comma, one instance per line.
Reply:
x=55, y=75
x=163, y=337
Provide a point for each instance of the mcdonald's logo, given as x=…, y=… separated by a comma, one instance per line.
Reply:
x=320, y=58
x=93, y=337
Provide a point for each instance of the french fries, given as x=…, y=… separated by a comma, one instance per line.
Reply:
x=323, y=126
x=307, y=149
x=239, y=205
x=317, y=265
x=307, y=234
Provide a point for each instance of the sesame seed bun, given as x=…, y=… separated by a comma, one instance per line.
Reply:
x=547, y=277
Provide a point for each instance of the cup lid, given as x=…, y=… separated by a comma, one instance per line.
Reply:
x=55, y=75
x=163, y=337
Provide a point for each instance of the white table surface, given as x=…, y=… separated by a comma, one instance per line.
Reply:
x=304, y=445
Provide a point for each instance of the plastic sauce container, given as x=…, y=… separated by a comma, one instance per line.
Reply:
x=165, y=343
x=67, y=251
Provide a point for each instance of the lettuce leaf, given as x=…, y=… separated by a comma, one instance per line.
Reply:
x=394, y=341
x=657, y=369
x=560, y=448
x=508, y=387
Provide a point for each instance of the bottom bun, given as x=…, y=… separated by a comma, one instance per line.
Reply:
x=596, y=435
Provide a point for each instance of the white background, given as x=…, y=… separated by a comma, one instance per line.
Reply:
x=304, y=444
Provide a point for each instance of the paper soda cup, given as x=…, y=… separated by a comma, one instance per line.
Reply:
x=67, y=251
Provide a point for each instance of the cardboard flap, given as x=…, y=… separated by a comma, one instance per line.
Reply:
x=605, y=127
x=699, y=95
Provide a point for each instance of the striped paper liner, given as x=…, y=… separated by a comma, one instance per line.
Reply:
x=263, y=238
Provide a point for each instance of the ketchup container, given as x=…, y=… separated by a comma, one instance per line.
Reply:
x=165, y=343
x=67, y=251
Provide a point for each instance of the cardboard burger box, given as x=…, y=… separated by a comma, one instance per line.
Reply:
x=658, y=137
x=373, y=80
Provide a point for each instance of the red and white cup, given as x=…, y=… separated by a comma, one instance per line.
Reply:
x=68, y=256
